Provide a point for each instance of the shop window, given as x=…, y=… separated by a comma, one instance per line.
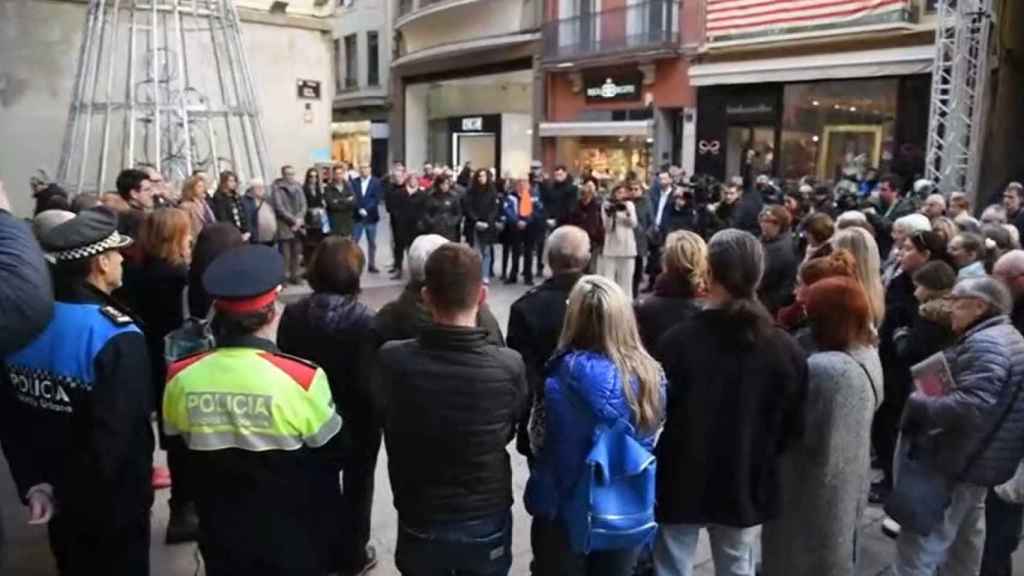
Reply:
x=841, y=129
x=338, y=84
x=351, y=62
x=372, y=59
x=633, y=114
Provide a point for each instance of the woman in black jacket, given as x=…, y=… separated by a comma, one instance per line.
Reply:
x=481, y=209
x=316, y=213
x=682, y=280
x=776, y=289
x=214, y=240
x=158, y=297
x=736, y=392
x=332, y=328
x=901, y=313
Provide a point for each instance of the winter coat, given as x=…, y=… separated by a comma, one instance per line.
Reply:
x=290, y=206
x=583, y=389
x=403, y=318
x=481, y=205
x=408, y=210
x=671, y=304
x=588, y=217
x=901, y=311
x=560, y=198
x=734, y=407
x=442, y=214
x=228, y=208
x=695, y=219
x=334, y=331
x=450, y=402
x=780, y=268
x=534, y=326
x=987, y=364
x=825, y=477
x=619, y=230
x=340, y=202
x=972, y=270
x=931, y=332
x=747, y=212
x=199, y=213
x=368, y=201
x=645, y=222
x=259, y=212
x=26, y=293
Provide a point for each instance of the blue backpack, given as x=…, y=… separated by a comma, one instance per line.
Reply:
x=611, y=506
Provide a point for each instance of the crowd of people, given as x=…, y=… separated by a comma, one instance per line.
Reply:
x=732, y=357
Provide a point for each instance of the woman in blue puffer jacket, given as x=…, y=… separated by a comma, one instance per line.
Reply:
x=603, y=372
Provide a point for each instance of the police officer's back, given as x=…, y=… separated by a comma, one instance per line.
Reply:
x=80, y=400
x=256, y=423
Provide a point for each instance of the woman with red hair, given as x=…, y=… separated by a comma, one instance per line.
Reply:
x=825, y=477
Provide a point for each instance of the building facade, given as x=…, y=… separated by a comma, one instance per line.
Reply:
x=791, y=91
x=466, y=83
x=39, y=45
x=362, y=47
x=619, y=96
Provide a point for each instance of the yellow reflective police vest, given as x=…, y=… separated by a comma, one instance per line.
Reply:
x=250, y=399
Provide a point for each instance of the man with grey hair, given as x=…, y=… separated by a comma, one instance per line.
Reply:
x=975, y=430
x=1004, y=520
x=403, y=318
x=934, y=206
x=535, y=320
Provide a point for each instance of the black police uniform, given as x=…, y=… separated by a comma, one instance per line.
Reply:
x=80, y=401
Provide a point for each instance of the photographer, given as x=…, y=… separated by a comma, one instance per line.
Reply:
x=618, y=257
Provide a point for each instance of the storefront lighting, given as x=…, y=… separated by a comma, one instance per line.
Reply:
x=837, y=107
x=815, y=139
x=815, y=103
x=564, y=65
x=853, y=108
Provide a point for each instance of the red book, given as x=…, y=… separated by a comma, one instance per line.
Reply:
x=932, y=376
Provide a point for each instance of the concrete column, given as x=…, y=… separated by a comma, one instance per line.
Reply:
x=540, y=99
x=662, y=153
x=396, y=118
x=417, y=123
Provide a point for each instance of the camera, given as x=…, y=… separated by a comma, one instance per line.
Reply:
x=614, y=207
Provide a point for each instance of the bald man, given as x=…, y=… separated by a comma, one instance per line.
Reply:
x=1003, y=520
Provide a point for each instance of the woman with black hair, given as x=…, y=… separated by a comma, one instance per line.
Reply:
x=736, y=397
x=317, y=225
x=481, y=210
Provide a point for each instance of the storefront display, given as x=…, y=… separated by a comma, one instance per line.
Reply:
x=827, y=130
x=608, y=158
x=351, y=142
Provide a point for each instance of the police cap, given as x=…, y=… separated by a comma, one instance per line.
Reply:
x=90, y=233
x=244, y=279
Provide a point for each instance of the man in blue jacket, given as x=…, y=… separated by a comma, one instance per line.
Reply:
x=368, y=191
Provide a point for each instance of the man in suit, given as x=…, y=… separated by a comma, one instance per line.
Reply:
x=369, y=191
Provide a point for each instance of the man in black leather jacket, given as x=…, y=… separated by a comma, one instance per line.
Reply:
x=450, y=403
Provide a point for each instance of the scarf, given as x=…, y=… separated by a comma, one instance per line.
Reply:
x=525, y=200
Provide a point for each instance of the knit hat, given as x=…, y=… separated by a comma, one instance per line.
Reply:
x=986, y=289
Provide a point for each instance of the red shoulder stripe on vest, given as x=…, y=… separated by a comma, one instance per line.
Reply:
x=300, y=371
x=176, y=368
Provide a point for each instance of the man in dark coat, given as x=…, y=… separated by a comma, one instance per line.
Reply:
x=80, y=399
x=442, y=211
x=26, y=303
x=369, y=192
x=587, y=215
x=405, y=317
x=560, y=195
x=394, y=188
x=450, y=402
x=1003, y=520
x=341, y=203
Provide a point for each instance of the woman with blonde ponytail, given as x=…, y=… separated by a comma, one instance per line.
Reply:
x=682, y=282
x=602, y=372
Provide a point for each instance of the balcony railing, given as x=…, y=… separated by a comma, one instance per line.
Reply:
x=642, y=26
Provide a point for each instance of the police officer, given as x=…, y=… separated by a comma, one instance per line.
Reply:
x=80, y=401
x=257, y=424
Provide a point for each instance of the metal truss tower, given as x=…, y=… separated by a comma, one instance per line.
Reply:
x=959, y=99
x=164, y=84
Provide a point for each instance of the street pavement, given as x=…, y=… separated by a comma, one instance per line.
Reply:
x=28, y=553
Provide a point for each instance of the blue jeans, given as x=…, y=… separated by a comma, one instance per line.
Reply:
x=955, y=545
x=486, y=252
x=731, y=548
x=475, y=548
x=371, y=240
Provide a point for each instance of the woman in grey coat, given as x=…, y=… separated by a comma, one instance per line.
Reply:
x=825, y=477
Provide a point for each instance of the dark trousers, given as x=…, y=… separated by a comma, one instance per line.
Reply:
x=653, y=265
x=508, y=243
x=1002, y=534
x=292, y=252
x=884, y=432
x=182, y=479
x=88, y=544
x=475, y=548
x=638, y=275
x=532, y=243
x=552, y=555
x=357, y=492
x=395, y=242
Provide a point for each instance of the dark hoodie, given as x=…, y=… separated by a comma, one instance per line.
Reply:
x=736, y=393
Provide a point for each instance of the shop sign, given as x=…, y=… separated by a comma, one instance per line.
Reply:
x=474, y=124
x=613, y=89
x=309, y=89
x=748, y=110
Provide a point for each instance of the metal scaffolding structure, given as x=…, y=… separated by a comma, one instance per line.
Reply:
x=959, y=100
x=163, y=84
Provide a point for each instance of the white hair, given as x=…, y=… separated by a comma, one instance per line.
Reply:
x=851, y=217
x=912, y=223
x=568, y=248
x=420, y=251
